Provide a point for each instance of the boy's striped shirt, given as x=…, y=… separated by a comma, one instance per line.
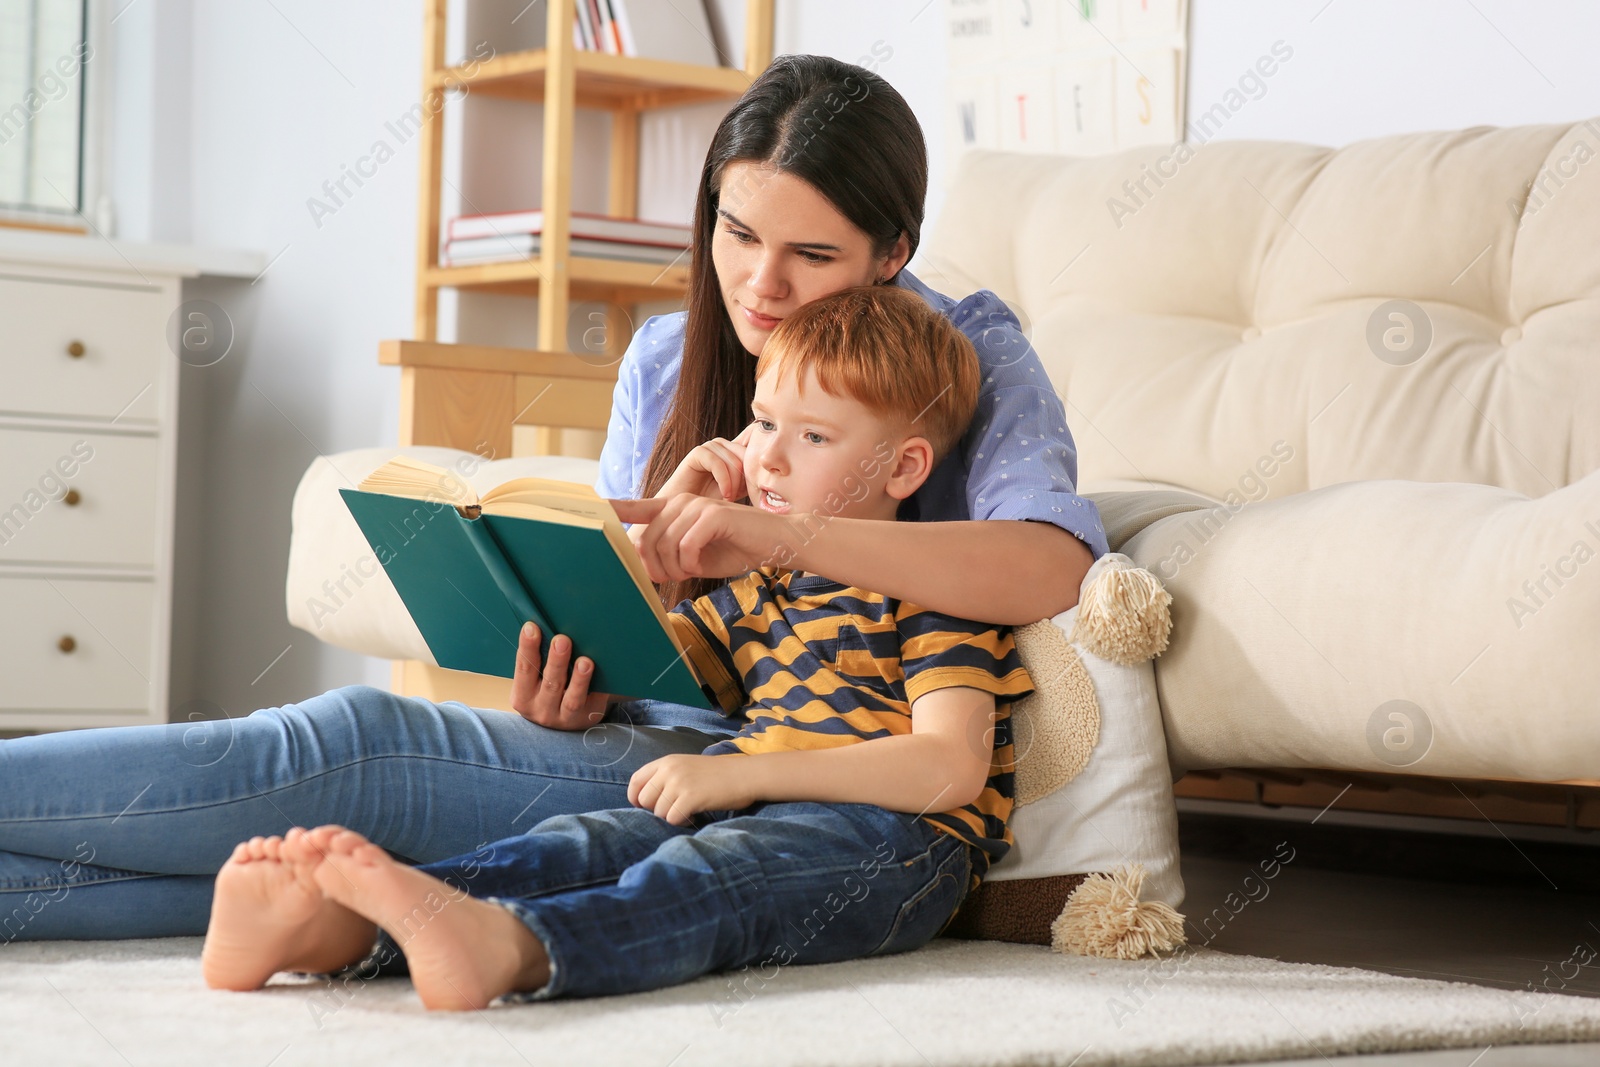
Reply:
x=813, y=664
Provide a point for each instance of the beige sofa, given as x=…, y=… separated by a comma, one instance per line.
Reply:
x=1412, y=505
x=1345, y=403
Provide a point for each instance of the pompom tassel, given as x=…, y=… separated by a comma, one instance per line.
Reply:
x=1123, y=615
x=1105, y=917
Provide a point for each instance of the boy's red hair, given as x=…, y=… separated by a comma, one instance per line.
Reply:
x=884, y=347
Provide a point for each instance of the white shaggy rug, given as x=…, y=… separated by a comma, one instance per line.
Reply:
x=954, y=1002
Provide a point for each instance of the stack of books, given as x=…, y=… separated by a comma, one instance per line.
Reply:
x=514, y=235
x=679, y=30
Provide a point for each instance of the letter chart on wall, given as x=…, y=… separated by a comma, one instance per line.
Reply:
x=1076, y=77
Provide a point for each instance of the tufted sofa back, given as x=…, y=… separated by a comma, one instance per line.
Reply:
x=1258, y=318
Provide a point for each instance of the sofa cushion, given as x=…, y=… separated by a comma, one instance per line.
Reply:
x=1125, y=513
x=1194, y=310
x=1441, y=629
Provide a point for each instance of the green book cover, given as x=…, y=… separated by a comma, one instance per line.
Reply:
x=470, y=583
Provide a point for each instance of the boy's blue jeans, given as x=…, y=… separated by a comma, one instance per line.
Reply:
x=623, y=901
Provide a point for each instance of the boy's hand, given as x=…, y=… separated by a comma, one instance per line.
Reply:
x=676, y=787
x=714, y=469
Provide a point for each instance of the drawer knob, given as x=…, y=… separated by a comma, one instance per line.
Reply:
x=67, y=643
x=72, y=499
x=76, y=350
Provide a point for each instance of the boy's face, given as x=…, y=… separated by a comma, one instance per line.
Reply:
x=812, y=451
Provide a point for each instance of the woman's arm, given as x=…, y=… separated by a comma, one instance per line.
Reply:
x=1005, y=571
x=615, y=476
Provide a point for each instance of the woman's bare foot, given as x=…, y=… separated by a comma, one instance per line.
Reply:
x=269, y=915
x=462, y=953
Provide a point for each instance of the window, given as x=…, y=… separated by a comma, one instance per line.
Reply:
x=44, y=50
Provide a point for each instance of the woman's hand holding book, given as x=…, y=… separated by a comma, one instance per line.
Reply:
x=547, y=697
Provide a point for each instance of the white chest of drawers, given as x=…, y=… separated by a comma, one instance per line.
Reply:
x=88, y=449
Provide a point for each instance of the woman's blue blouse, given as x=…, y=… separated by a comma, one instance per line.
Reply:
x=1016, y=461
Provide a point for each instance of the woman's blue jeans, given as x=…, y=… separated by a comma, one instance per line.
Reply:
x=624, y=901
x=116, y=833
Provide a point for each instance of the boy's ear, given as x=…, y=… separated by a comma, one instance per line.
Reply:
x=913, y=463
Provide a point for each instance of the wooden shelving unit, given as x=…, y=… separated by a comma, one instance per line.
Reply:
x=562, y=79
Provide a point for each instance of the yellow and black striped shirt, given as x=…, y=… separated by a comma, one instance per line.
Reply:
x=815, y=664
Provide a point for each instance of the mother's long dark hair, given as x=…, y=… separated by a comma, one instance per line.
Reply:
x=847, y=133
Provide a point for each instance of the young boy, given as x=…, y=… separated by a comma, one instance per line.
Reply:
x=864, y=797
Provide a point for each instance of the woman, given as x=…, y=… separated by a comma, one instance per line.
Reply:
x=814, y=183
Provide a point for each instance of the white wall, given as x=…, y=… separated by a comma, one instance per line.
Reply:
x=1366, y=68
x=229, y=116
x=276, y=105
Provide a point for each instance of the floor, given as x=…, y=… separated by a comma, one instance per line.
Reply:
x=1486, y=910
x=1516, y=914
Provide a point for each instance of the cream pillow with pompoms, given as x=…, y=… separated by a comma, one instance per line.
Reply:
x=1094, y=869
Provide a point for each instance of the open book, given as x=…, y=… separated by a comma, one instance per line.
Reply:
x=472, y=569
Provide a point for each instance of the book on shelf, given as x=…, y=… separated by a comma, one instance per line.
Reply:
x=676, y=30
x=582, y=224
x=518, y=246
x=613, y=27
x=589, y=19
x=583, y=32
x=472, y=569
x=609, y=39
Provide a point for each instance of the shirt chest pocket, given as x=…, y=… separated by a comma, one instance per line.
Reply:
x=860, y=665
